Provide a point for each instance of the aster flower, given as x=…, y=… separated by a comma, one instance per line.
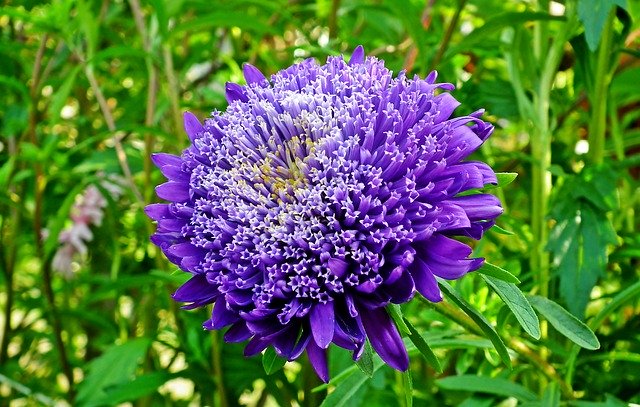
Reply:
x=317, y=198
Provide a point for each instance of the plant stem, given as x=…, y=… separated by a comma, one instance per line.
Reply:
x=111, y=125
x=152, y=91
x=541, y=155
x=516, y=345
x=333, y=19
x=444, y=44
x=216, y=350
x=603, y=75
x=39, y=186
x=172, y=85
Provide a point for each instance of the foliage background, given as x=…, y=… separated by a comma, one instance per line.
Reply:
x=89, y=88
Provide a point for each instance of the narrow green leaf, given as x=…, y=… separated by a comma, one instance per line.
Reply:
x=365, y=363
x=518, y=304
x=271, y=361
x=501, y=231
x=565, y=323
x=551, y=396
x=498, y=272
x=628, y=294
x=139, y=387
x=479, y=319
x=115, y=366
x=407, y=388
x=495, y=25
x=487, y=385
x=59, y=98
x=422, y=346
x=395, y=312
x=506, y=178
x=5, y=171
x=348, y=387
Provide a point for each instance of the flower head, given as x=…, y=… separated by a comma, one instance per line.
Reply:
x=318, y=197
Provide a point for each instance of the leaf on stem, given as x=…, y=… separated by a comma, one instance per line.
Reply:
x=498, y=272
x=565, y=323
x=422, y=346
x=487, y=385
x=517, y=303
x=271, y=361
x=479, y=319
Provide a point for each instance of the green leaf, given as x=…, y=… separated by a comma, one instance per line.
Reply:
x=610, y=401
x=628, y=294
x=506, y=178
x=495, y=25
x=518, y=304
x=271, y=361
x=488, y=385
x=479, y=319
x=223, y=18
x=6, y=170
x=59, y=98
x=494, y=271
x=580, y=238
x=422, y=346
x=348, y=387
x=593, y=14
x=115, y=366
x=139, y=387
x=551, y=396
x=565, y=323
x=395, y=312
x=501, y=231
x=407, y=388
x=365, y=363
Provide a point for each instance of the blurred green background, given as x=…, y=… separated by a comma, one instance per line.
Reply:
x=89, y=88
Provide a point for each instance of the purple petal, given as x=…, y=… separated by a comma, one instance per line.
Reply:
x=234, y=92
x=337, y=266
x=285, y=342
x=162, y=159
x=252, y=74
x=157, y=211
x=238, y=332
x=255, y=346
x=197, y=289
x=173, y=191
x=425, y=281
x=357, y=57
x=318, y=359
x=479, y=206
x=384, y=338
x=402, y=289
x=322, y=320
x=446, y=105
x=185, y=249
x=192, y=125
x=221, y=316
x=301, y=345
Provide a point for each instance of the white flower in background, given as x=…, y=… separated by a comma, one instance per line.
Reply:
x=87, y=211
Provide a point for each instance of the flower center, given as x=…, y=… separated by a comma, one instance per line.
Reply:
x=285, y=169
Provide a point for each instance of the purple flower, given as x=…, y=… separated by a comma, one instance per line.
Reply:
x=318, y=197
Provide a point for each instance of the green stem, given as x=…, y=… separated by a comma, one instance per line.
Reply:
x=597, y=125
x=444, y=44
x=216, y=351
x=541, y=155
x=173, y=88
x=333, y=19
x=520, y=347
